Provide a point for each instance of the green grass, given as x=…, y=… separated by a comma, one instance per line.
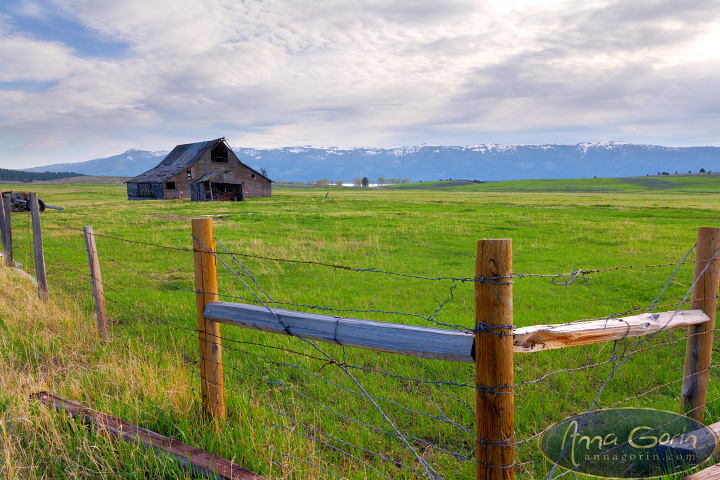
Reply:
x=681, y=184
x=557, y=226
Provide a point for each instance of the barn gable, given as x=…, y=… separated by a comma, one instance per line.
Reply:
x=173, y=176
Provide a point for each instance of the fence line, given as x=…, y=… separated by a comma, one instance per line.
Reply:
x=400, y=274
x=478, y=280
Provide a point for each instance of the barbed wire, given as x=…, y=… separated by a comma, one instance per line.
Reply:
x=428, y=470
x=401, y=313
x=284, y=414
x=160, y=321
x=355, y=310
x=617, y=365
x=110, y=289
x=149, y=317
x=430, y=318
x=617, y=359
x=467, y=384
x=272, y=449
x=567, y=278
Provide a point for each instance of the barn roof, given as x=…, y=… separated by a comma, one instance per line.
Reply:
x=180, y=158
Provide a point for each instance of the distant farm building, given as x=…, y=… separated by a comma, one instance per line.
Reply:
x=201, y=171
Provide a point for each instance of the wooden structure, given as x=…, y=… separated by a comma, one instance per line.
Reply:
x=206, y=293
x=38, y=251
x=699, y=347
x=197, y=167
x=494, y=370
x=199, y=462
x=441, y=343
x=97, y=284
x=6, y=230
x=223, y=186
x=24, y=202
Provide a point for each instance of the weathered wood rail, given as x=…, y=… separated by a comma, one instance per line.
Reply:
x=423, y=342
x=195, y=460
x=440, y=343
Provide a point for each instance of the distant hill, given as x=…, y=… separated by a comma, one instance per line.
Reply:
x=26, y=176
x=426, y=162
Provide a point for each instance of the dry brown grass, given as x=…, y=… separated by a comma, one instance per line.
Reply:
x=54, y=347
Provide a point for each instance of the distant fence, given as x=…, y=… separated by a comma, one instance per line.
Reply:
x=491, y=445
x=117, y=192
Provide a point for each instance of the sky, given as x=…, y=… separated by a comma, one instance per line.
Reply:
x=82, y=79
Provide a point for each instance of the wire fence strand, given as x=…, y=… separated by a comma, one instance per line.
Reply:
x=258, y=368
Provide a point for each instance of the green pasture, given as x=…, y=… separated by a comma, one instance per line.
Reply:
x=287, y=402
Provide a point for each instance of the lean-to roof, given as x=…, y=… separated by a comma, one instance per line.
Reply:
x=213, y=175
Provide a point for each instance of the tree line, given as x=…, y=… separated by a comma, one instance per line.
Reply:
x=21, y=176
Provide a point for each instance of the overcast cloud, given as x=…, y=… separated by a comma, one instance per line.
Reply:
x=80, y=79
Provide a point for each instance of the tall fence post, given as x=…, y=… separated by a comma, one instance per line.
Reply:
x=96, y=278
x=698, y=352
x=40, y=274
x=6, y=231
x=2, y=223
x=495, y=397
x=206, y=287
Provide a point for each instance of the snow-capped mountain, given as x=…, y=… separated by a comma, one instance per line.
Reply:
x=480, y=162
x=429, y=162
x=122, y=165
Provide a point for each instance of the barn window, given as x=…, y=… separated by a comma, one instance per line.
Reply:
x=252, y=175
x=170, y=185
x=219, y=154
x=189, y=173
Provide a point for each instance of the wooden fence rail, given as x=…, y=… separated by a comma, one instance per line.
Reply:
x=441, y=343
x=196, y=461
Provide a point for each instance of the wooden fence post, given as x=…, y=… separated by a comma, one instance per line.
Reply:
x=2, y=223
x=96, y=278
x=206, y=287
x=495, y=397
x=698, y=352
x=7, y=232
x=40, y=274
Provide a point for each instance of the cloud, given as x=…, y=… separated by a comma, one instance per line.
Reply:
x=26, y=59
x=381, y=72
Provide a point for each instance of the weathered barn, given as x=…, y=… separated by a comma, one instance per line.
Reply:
x=201, y=171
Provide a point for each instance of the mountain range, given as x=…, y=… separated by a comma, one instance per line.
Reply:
x=426, y=162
